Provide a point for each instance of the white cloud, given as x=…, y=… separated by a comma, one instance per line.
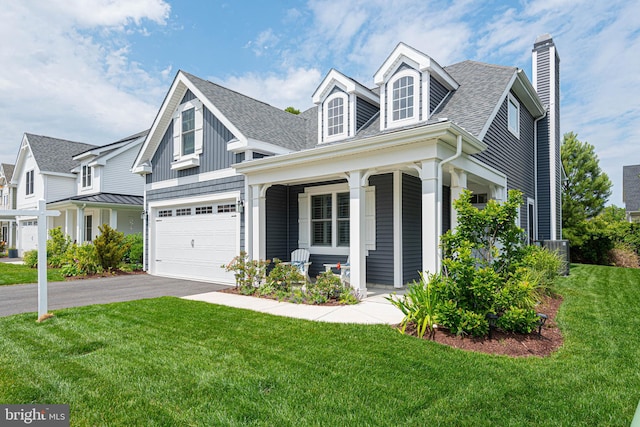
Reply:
x=62, y=77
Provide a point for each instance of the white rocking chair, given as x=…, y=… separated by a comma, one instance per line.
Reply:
x=300, y=258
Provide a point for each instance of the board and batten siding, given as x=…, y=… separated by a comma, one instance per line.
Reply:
x=116, y=175
x=512, y=156
x=214, y=156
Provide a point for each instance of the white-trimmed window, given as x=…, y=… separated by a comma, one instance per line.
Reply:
x=226, y=208
x=325, y=219
x=87, y=176
x=88, y=228
x=187, y=135
x=165, y=213
x=203, y=210
x=29, y=182
x=403, y=95
x=513, y=119
x=335, y=116
x=183, y=211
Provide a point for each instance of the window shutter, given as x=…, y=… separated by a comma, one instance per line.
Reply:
x=199, y=120
x=303, y=220
x=370, y=218
x=177, y=135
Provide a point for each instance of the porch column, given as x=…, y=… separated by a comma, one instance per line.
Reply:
x=458, y=183
x=397, y=229
x=258, y=221
x=68, y=223
x=430, y=232
x=113, y=219
x=80, y=225
x=357, y=233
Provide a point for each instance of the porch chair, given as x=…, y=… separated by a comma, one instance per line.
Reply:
x=300, y=258
x=345, y=271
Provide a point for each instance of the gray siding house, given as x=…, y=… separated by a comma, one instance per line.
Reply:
x=367, y=174
x=631, y=192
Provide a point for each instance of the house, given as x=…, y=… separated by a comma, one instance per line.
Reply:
x=90, y=185
x=367, y=173
x=631, y=192
x=7, y=201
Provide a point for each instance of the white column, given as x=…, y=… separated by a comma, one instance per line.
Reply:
x=79, y=225
x=248, y=220
x=458, y=183
x=113, y=219
x=430, y=232
x=397, y=229
x=259, y=221
x=68, y=223
x=357, y=234
x=42, y=258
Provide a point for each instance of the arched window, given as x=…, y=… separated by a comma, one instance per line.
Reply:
x=403, y=98
x=335, y=116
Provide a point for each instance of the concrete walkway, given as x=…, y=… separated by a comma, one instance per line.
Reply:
x=375, y=309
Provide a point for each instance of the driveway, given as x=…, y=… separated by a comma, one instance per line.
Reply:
x=17, y=299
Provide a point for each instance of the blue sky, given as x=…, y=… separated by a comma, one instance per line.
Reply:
x=97, y=70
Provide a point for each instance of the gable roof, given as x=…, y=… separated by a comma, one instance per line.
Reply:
x=7, y=170
x=254, y=119
x=55, y=155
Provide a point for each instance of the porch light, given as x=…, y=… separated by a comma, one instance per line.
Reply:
x=542, y=319
x=240, y=205
x=492, y=318
x=143, y=214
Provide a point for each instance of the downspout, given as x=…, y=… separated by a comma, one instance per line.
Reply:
x=535, y=170
x=439, y=202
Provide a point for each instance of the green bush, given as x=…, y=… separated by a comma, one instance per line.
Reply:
x=544, y=264
x=58, y=244
x=30, y=258
x=135, y=248
x=522, y=320
x=110, y=247
x=81, y=260
x=283, y=276
x=249, y=274
x=419, y=303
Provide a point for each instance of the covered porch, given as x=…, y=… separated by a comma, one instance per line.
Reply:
x=380, y=202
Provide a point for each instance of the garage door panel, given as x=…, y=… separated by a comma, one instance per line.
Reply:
x=196, y=246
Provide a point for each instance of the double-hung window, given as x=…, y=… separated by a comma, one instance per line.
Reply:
x=188, y=131
x=325, y=219
x=188, y=136
x=29, y=182
x=87, y=172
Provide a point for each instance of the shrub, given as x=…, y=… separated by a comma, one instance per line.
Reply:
x=543, y=263
x=81, y=260
x=3, y=246
x=248, y=273
x=135, y=248
x=522, y=320
x=283, y=276
x=110, y=247
x=419, y=303
x=30, y=258
x=57, y=246
x=624, y=256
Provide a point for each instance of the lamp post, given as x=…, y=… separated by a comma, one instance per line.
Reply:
x=542, y=319
x=492, y=318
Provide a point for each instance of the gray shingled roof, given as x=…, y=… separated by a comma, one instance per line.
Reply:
x=631, y=187
x=256, y=119
x=481, y=86
x=8, y=171
x=119, y=199
x=55, y=155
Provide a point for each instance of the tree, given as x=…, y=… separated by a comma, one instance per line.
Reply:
x=587, y=188
x=292, y=110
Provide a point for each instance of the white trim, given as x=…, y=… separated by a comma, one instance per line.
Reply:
x=512, y=100
x=333, y=190
x=534, y=235
x=346, y=110
x=335, y=77
x=397, y=229
x=237, y=146
x=192, y=179
x=417, y=83
x=552, y=142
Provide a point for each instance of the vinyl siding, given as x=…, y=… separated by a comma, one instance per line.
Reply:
x=116, y=175
x=380, y=262
x=544, y=200
x=214, y=157
x=411, y=228
x=438, y=92
x=512, y=156
x=277, y=217
x=446, y=209
x=364, y=112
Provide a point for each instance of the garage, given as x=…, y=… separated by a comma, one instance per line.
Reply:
x=28, y=235
x=192, y=242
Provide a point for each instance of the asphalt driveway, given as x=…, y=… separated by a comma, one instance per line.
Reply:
x=17, y=299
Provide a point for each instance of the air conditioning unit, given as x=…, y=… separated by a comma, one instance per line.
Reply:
x=561, y=247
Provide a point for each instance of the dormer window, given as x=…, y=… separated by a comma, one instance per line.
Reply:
x=403, y=98
x=87, y=172
x=335, y=116
x=187, y=135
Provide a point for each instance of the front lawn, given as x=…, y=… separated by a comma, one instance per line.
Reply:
x=169, y=361
x=13, y=274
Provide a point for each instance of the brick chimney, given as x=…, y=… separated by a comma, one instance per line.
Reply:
x=546, y=81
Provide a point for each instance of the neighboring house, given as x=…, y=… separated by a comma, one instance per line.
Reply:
x=631, y=192
x=90, y=185
x=7, y=201
x=368, y=174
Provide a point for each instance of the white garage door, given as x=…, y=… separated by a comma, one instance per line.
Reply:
x=29, y=235
x=191, y=246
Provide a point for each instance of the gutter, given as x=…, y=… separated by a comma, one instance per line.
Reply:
x=439, y=201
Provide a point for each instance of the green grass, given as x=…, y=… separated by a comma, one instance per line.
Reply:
x=169, y=362
x=12, y=274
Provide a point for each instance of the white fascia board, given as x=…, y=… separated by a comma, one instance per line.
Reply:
x=442, y=76
x=20, y=158
x=496, y=108
x=102, y=160
x=336, y=78
x=256, y=145
x=528, y=95
x=64, y=175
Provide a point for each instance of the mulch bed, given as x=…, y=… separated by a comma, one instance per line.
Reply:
x=105, y=274
x=509, y=344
